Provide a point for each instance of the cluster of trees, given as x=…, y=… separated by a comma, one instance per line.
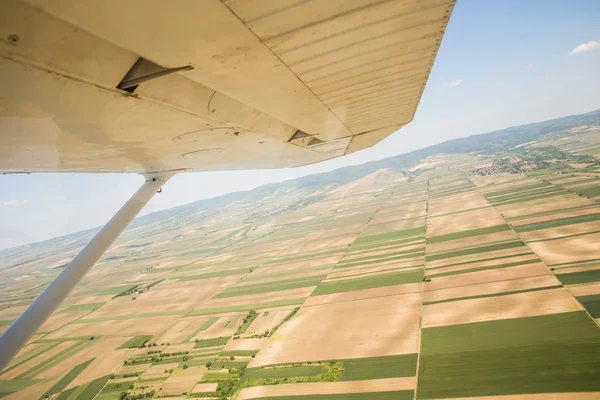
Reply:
x=226, y=387
x=127, y=396
x=151, y=345
x=251, y=315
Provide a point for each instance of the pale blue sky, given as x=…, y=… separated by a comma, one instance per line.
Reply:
x=502, y=63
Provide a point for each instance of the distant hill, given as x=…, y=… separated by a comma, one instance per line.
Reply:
x=482, y=143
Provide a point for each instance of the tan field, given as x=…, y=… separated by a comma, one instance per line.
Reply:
x=26, y=350
x=566, y=250
x=95, y=299
x=361, y=274
x=204, y=387
x=276, y=278
x=318, y=245
x=295, y=266
x=577, y=269
x=158, y=371
x=107, y=363
x=543, y=205
x=476, y=257
x=388, y=267
x=132, y=369
x=37, y=360
x=551, y=217
x=471, y=241
x=400, y=264
x=417, y=246
x=585, y=289
x=482, y=264
x=32, y=392
x=551, y=233
x=471, y=278
x=160, y=298
x=408, y=215
x=452, y=204
x=16, y=311
x=246, y=344
x=378, y=385
x=225, y=326
x=262, y=323
x=363, y=294
x=351, y=329
x=467, y=220
x=519, y=305
x=182, y=381
x=259, y=298
x=327, y=233
x=103, y=349
x=491, y=287
x=58, y=320
x=127, y=327
x=180, y=330
x=481, y=181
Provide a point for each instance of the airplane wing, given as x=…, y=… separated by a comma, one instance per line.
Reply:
x=149, y=86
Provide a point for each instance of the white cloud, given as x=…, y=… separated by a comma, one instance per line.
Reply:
x=455, y=83
x=584, y=48
x=15, y=203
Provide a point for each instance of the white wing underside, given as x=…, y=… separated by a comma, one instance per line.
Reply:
x=232, y=84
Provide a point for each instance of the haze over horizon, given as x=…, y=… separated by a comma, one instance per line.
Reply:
x=486, y=77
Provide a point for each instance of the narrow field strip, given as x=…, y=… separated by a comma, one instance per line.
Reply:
x=375, y=281
x=475, y=250
x=483, y=296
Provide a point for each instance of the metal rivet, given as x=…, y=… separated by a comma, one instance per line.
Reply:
x=13, y=38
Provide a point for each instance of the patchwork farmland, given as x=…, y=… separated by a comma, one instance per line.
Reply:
x=441, y=274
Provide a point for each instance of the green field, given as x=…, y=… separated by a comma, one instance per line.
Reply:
x=218, y=274
x=202, y=328
x=83, y=307
x=116, y=290
x=573, y=278
x=380, y=367
x=554, y=353
x=589, y=191
x=211, y=342
x=68, y=378
x=135, y=341
x=591, y=304
x=93, y=388
x=248, y=307
x=532, y=197
x=525, y=194
x=489, y=267
x=238, y=353
x=368, y=282
x=558, y=222
x=215, y=376
x=396, y=395
x=467, y=234
x=14, y=385
x=284, y=372
x=484, y=296
x=48, y=363
x=492, y=195
x=270, y=287
x=380, y=259
x=474, y=250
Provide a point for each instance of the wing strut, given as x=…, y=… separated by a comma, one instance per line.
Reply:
x=38, y=312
